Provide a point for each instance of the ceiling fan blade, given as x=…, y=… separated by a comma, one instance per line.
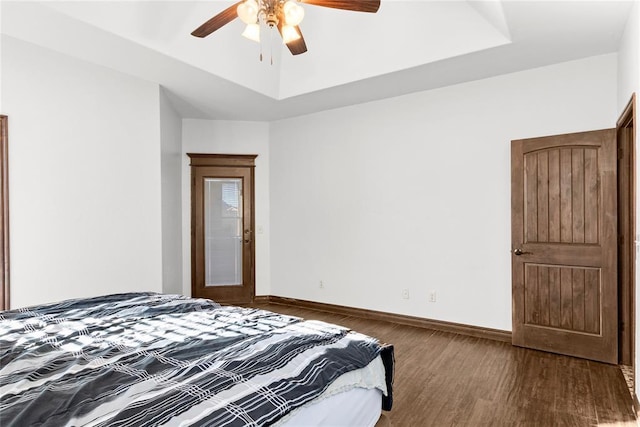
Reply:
x=296, y=47
x=218, y=21
x=370, y=6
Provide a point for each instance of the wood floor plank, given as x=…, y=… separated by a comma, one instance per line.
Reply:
x=444, y=379
x=486, y=413
x=612, y=401
x=575, y=395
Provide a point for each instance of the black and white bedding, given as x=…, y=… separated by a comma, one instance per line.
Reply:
x=149, y=359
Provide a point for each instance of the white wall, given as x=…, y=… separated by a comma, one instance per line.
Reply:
x=414, y=192
x=171, y=167
x=628, y=83
x=230, y=137
x=628, y=59
x=84, y=177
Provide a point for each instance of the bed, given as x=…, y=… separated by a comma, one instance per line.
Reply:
x=147, y=359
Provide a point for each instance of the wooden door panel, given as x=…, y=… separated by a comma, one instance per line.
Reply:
x=563, y=297
x=564, y=227
x=561, y=202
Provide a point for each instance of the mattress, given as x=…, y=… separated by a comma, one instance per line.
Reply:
x=149, y=359
x=358, y=407
x=351, y=400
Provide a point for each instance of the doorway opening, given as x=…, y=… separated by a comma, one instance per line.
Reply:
x=626, y=241
x=222, y=224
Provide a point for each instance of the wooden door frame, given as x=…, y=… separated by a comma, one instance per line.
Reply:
x=4, y=213
x=224, y=161
x=627, y=230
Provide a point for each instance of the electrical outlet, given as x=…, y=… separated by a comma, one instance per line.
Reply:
x=405, y=293
x=321, y=284
x=432, y=296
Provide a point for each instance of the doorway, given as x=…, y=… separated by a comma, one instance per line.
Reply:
x=222, y=224
x=535, y=284
x=626, y=245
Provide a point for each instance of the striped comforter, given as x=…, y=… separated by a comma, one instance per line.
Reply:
x=153, y=359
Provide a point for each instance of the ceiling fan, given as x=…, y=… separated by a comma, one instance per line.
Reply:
x=285, y=15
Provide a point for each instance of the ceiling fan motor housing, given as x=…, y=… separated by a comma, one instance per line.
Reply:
x=272, y=19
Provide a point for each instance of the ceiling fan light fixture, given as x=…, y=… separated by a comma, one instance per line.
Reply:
x=284, y=15
x=252, y=32
x=248, y=11
x=293, y=13
x=289, y=34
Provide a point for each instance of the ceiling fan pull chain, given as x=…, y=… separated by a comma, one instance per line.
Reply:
x=260, y=49
x=271, y=43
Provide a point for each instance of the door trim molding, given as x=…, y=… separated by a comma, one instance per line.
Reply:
x=229, y=163
x=224, y=160
x=627, y=253
x=4, y=214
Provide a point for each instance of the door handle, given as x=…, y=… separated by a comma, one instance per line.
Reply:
x=518, y=252
x=247, y=236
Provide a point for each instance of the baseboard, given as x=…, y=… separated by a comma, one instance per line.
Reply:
x=261, y=299
x=421, y=322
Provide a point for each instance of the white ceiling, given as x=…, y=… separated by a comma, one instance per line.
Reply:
x=353, y=57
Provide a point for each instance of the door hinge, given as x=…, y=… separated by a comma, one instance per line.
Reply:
x=621, y=239
x=620, y=153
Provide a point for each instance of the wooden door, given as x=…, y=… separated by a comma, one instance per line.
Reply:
x=222, y=224
x=564, y=244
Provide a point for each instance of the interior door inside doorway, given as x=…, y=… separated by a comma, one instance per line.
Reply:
x=223, y=251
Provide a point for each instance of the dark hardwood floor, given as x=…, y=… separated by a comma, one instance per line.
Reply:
x=445, y=379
